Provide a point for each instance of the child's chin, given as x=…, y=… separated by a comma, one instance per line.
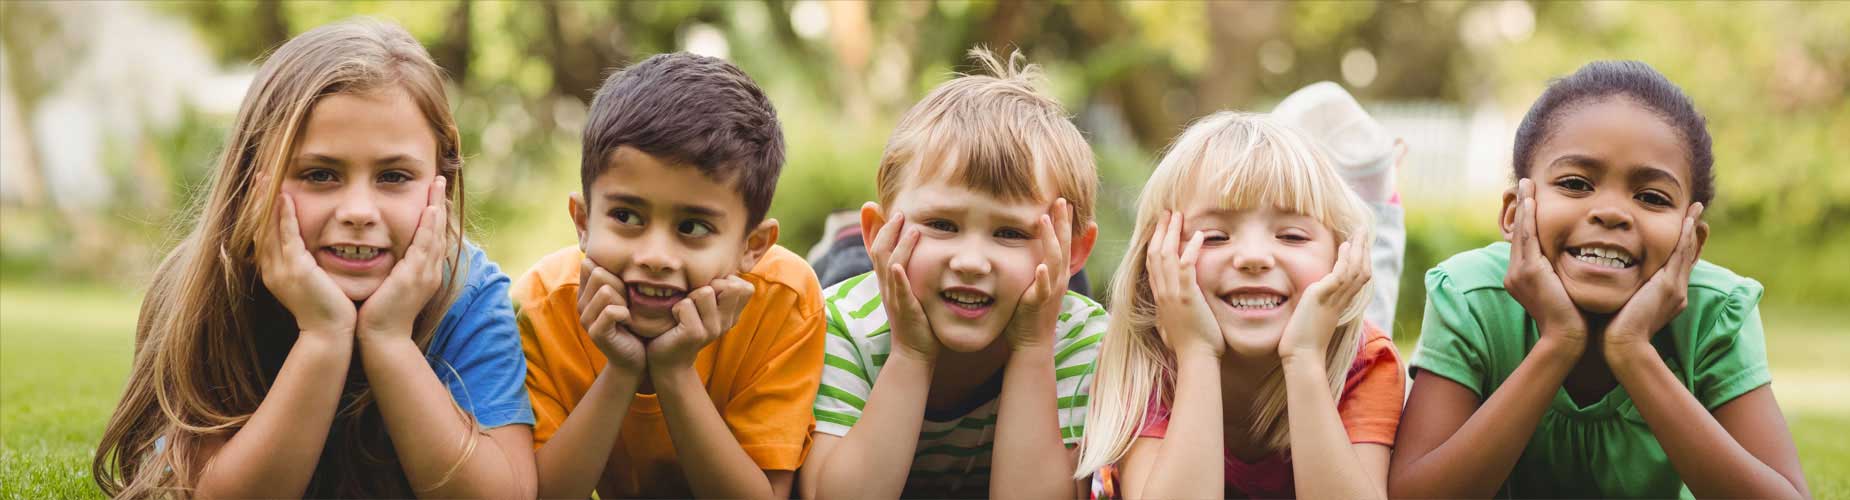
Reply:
x=358, y=290
x=1600, y=300
x=649, y=328
x=1250, y=343
x=965, y=339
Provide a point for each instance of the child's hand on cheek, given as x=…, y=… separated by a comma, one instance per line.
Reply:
x=1532, y=280
x=701, y=318
x=891, y=250
x=393, y=308
x=291, y=274
x=604, y=314
x=1039, y=308
x=1307, y=336
x=1182, y=315
x=1661, y=298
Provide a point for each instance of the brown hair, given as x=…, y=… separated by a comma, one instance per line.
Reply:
x=692, y=110
x=995, y=134
x=211, y=337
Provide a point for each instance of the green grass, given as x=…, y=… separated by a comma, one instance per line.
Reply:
x=64, y=354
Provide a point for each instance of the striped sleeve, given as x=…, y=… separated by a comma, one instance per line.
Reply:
x=1081, y=327
x=847, y=376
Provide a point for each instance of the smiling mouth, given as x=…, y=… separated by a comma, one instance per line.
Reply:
x=654, y=297
x=1610, y=258
x=1251, y=301
x=354, y=252
x=967, y=303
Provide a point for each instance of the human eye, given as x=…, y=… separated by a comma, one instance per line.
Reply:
x=394, y=177
x=626, y=216
x=1574, y=183
x=316, y=175
x=941, y=225
x=1214, y=237
x=1009, y=233
x=1653, y=198
x=694, y=228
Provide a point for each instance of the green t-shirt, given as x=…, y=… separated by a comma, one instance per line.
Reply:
x=1476, y=334
x=952, y=456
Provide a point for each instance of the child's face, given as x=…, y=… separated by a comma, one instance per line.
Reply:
x=1254, y=266
x=664, y=230
x=1612, y=184
x=976, y=254
x=360, y=179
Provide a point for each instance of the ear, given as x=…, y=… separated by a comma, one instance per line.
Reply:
x=1506, y=218
x=872, y=219
x=757, y=242
x=1702, y=236
x=1082, y=248
x=581, y=214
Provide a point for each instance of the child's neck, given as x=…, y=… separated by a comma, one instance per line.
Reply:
x=1241, y=377
x=1591, y=379
x=959, y=377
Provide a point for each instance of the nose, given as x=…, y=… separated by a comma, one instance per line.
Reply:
x=969, y=262
x=1609, y=217
x=358, y=208
x=1253, y=257
x=655, y=253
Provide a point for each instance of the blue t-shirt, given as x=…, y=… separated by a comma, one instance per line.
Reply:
x=476, y=350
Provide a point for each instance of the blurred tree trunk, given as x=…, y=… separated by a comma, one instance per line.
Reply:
x=272, y=28
x=452, y=52
x=1235, y=31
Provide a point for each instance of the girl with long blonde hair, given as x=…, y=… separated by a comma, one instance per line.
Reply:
x=1237, y=362
x=323, y=329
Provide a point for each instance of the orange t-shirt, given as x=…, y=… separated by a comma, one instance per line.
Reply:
x=762, y=374
x=1373, y=393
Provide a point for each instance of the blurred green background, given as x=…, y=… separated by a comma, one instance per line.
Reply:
x=112, y=112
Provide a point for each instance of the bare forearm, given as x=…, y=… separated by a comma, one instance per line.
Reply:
x=275, y=453
x=1476, y=459
x=432, y=438
x=1323, y=460
x=1189, y=461
x=570, y=464
x=1029, y=459
x=874, y=458
x=705, y=445
x=1703, y=453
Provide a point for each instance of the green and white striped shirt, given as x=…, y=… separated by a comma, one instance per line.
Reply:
x=952, y=454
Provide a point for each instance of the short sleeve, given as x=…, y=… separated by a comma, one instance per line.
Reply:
x=476, y=353
x=1452, y=342
x=1373, y=393
x=770, y=413
x=1081, y=327
x=1730, y=349
x=845, y=380
x=549, y=409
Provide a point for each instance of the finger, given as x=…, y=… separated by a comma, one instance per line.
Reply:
x=1051, y=251
x=902, y=252
x=607, y=320
x=291, y=233
x=599, y=300
x=1153, y=256
x=888, y=236
x=585, y=268
x=1063, y=224
x=904, y=291
x=706, y=302
x=688, y=315
x=1691, y=251
x=1193, y=251
x=435, y=197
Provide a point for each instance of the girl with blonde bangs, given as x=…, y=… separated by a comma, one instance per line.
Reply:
x=1236, y=347
x=323, y=329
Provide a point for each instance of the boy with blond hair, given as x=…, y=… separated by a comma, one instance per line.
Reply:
x=961, y=365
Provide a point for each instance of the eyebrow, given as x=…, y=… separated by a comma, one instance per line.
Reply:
x=695, y=210
x=388, y=160
x=1642, y=174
